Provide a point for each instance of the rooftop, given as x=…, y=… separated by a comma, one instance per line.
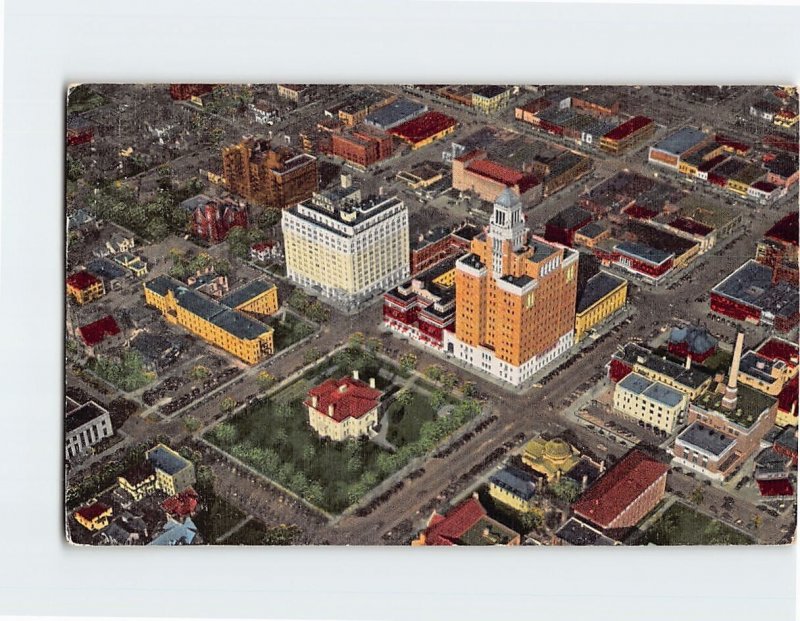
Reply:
x=779, y=349
x=643, y=252
x=82, y=415
x=697, y=338
x=576, y=533
x=166, y=460
x=97, y=331
x=423, y=127
x=176, y=533
x=82, y=280
x=681, y=141
x=661, y=393
x=466, y=524
x=592, y=230
x=706, y=439
x=752, y=284
x=635, y=354
x=350, y=398
x=244, y=294
x=93, y=511
x=395, y=113
x=785, y=229
x=619, y=488
x=628, y=127
x=750, y=405
x=570, y=218
x=596, y=288
x=515, y=480
x=758, y=367
x=784, y=165
x=489, y=91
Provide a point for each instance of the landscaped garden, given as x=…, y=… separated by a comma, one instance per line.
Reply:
x=274, y=437
x=680, y=525
x=288, y=330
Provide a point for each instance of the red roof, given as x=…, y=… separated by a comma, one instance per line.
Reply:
x=690, y=226
x=183, y=504
x=733, y=144
x=786, y=229
x=82, y=280
x=265, y=245
x=775, y=487
x=93, y=511
x=619, y=487
x=97, y=331
x=787, y=398
x=628, y=127
x=445, y=530
x=714, y=161
x=350, y=398
x=764, y=186
x=425, y=126
x=778, y=349
x=640, y=213
x=495, y=171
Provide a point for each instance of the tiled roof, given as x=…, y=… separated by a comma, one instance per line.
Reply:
x=445, y=530
x=775, y=487
x=97, y=331
x=182, y=504
x=351, y=398
x=82, y=280
x=628, y=127
x=422, y=127
x=619, y=487
x=785, y=229
x=93, y=511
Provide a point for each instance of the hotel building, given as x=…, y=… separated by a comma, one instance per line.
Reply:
x=515, y=298
x=347, y=251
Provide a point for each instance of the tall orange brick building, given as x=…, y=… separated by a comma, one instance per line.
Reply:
x=277, y=178
x=515, y=298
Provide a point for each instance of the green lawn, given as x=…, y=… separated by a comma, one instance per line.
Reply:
x=289, y=331
x=274, y=436
x=682, y=525
x=217, y=518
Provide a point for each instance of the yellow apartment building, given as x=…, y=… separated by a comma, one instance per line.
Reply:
x=653, y=403
x=515, y=488
x=490, y=99
x=94, y=516
x=602, y=296
x=217, y=322
x=347, y=252
x=85, y=287
x=163, y=469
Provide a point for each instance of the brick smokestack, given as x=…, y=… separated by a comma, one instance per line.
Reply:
x=730, y=398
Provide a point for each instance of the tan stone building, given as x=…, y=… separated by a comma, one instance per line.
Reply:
x=344, y=409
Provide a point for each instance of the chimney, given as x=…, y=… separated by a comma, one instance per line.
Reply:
x=602, y=466
x=584, y=481
x=475, y=495
x=330, y=410
x=372, y=382
x=729, y=400
x=355, y=374
x=688, y=364
x=314, y=401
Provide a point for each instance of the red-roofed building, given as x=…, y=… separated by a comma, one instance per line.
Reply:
x=775, y=487
x=731, y=145
x=182, y=92
x=467, y=524
x=182, y=505
x=625, y=494
x=266, y=250
x=344, y=408
x=85, y=287
x=104, y=332
x=424, y=129
x=475, y=172
x=630, y=132
x=362, y=148
x=94, y=516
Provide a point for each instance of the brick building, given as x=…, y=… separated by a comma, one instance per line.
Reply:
x=277, y=178
x=211, y=219
x=562, y=227
x=475, y=172
x=362, y=148
x=438, y=245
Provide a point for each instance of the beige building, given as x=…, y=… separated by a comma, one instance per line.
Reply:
x=343, y=409
x=347, y=251
x=655, y=404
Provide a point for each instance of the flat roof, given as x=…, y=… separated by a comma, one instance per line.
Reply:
x=246, y=293
x=576, y=533
x=167, y=460
x=785, y=229
x=681, y=141
x=84, y=414
x=706, y=438
x=633, y=353
x=570, y=217
x=395, y=113
x=628, y=127
x=423, y=127
x=750, y=404
x=591, y=230
x=489, y=91
x=752, y=284
x=596, y=288
x=645, y=253
x=661, y=393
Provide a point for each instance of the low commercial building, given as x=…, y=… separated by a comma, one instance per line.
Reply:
x=491, y=98
x=293, y=92
x=162, y=470
x=591, y=234
x=680, y=144
x=577, y=533
x=562, y=227
x=215, y=322
x=347, y=252
x=85, y=287
x=85, y=425
x=601, y=296
x=625, y=494
x=630, y=133
x=643, y=260
x=655, y=404
x=783, y=170
x=514, y=487
x=94, y=517
x=423, y=130
x=362, y=148
x=751, y=294
x=157, y=352
x=475, y=172
x=396, y=113
x=343, y=409
x=466, y=525
x=727, y=423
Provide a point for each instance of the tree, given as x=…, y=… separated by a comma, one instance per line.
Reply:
x=228, y=405
x=565, y=490
x=269, y=218
x=437, y=399
x=448, y=380
x=265, y=379
x=311, y=355
x=469, y=389
x=308, y=453
x=282, y=535
x=532, y=519
x=404, y=398
x=226, y=434
x=191, y=423
x=756, y=521
x=408, y=362
x=318, y=312
x=697, y=495
x=279, y=436
x=299, y=300
x=199, y=372
x=205, y=479
x=433, y=372
x=374, y=345
x=357, y=339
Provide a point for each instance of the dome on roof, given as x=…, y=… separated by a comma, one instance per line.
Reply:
x=557, y=450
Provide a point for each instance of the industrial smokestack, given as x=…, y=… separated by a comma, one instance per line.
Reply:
x=730, y=398
x=688, y=364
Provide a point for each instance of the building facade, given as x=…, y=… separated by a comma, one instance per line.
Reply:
x=277, y=178
x=602, y=296
x=344, y=409
x=85, y=426
x=347, y=252
x=655, y=404
x=362, y=149
x=515, y=298
x=85, y=287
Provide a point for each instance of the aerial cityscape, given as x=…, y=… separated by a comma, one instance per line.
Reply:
x=431, y=315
